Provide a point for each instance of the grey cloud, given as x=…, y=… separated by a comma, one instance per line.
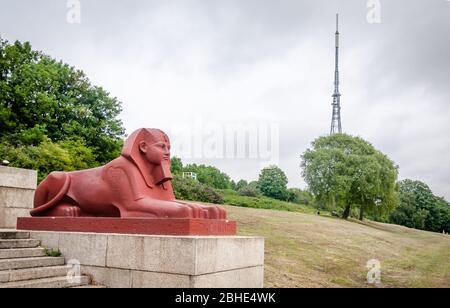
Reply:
x=263, y=60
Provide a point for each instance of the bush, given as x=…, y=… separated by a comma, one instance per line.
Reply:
x=190, y=189
x=298, y=196
x=67, y=155
x=249, y=191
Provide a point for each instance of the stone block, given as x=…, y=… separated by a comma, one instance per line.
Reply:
x=152, y=261
x=152, y=253
x=251, y=277
x=111, y=277
x=8, y=217
x=18, y=178
x=16, y=198
x=89, y=249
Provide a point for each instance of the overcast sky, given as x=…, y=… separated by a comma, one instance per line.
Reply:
x=263, y=62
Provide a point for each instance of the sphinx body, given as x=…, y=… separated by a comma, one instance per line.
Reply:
x=136, y=184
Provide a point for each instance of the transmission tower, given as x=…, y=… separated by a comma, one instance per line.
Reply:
x=336, y=126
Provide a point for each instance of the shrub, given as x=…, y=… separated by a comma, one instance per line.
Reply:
x=190, y=189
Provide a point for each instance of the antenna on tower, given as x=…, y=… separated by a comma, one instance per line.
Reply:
x=336, y=125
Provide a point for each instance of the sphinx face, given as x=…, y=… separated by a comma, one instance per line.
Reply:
x=156, y=153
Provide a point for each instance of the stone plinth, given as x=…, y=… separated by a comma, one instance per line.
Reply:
x=148, y=226
x=17, y=188
x=150, y=261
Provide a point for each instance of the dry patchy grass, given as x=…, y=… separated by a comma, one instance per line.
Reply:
x=304, y=250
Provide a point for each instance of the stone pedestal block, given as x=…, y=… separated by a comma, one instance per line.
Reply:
x=17, y=188
x=151, y=261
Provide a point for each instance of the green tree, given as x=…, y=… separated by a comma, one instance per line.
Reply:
x=241, y=184
x=45, y=102
x=272, y=183
x=210, y=176
x=348, y=172
x=176, y=165
x=296, y=195
x=420, y=208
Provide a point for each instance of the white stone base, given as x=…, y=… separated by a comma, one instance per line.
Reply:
x=17, y=188
x=144, y=261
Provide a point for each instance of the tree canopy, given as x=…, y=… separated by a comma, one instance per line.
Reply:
x=272, y=183
x=210, y=176
x=349, y=172
x=420, y=208
x=47, y=106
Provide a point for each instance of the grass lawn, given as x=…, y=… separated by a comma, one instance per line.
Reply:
x=307, y=250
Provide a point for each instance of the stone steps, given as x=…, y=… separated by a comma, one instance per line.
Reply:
x=14, y=235
x=53, y=282
x=18, y=243
x=20, y=263
x=22, y=253
x=33, y=273
x=23, y=264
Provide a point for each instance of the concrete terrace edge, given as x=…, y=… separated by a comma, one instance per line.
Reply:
x=152, y=261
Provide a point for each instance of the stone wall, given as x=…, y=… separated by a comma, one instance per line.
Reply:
x=145, y=261
x=17, y=188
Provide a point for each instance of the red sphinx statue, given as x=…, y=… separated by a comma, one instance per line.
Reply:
x=138, y=184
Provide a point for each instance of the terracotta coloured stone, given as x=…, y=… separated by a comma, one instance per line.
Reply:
x=138, y=184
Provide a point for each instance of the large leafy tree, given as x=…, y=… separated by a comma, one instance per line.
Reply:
x=420, y=208
x=210, y=176
x=272, y=183
x=46, y=101
x=348, y=172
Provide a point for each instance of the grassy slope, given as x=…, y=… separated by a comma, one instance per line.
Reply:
x=306, y=250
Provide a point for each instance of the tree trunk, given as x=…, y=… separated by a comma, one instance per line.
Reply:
x=346, y=213
x=361, y=213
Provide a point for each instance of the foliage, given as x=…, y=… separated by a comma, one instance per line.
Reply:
x=420, y=208
x=348, y=171
x=176, y=166
x=52, y=253
x=250, y=190
x=46, y=157
x=298, y=196
x=232, y=197
x=210, y=176
x=272, y=183
x=46, y=105
x=241, y=184
x=190, y=189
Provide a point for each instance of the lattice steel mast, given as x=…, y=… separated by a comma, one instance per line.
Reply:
x=336, y=126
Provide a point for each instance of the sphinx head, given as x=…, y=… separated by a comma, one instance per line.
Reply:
x=156, y=150
x=149, y=150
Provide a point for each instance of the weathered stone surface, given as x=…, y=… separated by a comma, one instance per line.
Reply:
x=111, y=277
x=47, y=239
x=123, y=261
x=18, y=178
x=13, y=234
x=251, y=277
x=12, y=264
x=227, y=253
x=159, y=280
x=16, y=198
x=152, y=253
x=21, y=253
x=8, y=217
x=34, y=273
x=13, y=244
x=89, y=249
x=54, y=282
